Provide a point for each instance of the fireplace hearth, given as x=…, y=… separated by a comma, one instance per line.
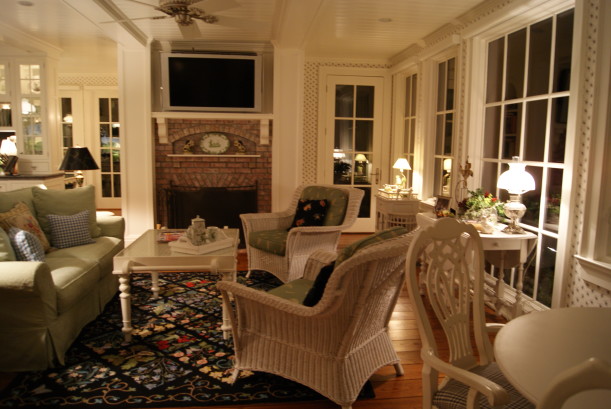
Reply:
x=218, y=206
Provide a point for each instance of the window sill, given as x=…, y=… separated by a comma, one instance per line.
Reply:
x=595, y=272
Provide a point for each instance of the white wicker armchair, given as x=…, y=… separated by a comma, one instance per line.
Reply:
x=300, y=241
x=336, y=345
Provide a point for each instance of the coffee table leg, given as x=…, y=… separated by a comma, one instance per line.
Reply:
x=155, y=283
x=225, y=276
x=126, y=303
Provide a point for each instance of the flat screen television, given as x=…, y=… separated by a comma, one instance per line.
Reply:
x=211, y=82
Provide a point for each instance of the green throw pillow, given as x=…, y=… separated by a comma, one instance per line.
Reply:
x=65, y=203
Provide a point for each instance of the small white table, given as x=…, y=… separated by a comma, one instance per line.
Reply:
x=147, y=254
x=532, y=349
x=507, y=251
x=503, y=251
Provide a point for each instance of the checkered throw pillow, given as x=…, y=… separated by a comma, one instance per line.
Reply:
x=27, y=247
x=70, y=231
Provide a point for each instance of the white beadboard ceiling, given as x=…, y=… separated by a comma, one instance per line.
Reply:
x=354, y=29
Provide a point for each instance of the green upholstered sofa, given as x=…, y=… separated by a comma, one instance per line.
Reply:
x=45, y=304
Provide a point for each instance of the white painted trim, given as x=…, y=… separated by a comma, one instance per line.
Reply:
x=594, y=271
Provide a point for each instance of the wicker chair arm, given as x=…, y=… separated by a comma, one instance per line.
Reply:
x=267, y=221
x=494, y=393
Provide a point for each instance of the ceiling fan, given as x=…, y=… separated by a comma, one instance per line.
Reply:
x=187, y=12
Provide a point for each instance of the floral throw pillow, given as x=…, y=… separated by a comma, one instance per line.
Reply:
x=21, y=217
x=310, y=213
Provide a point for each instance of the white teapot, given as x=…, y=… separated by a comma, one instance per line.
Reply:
x=197, y=232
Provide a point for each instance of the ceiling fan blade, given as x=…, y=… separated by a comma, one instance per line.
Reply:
x=213, y=6
x=190, y=32
x=135, y=19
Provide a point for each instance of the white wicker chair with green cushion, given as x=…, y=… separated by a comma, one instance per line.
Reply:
x=334, y=346
x=454, y=287
x=274, y=245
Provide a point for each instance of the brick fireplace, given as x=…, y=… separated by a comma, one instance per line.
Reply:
x=246, y=162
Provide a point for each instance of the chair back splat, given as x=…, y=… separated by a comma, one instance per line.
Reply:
x=446, y=261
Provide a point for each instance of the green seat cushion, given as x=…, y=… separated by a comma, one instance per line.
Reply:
x=378, y=237
x=295, y=290
x=65, y=203
x=336, y=198
x=271, y=241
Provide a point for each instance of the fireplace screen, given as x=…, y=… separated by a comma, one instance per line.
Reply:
x=219, y=206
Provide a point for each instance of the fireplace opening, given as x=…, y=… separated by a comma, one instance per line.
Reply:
x=219, y=206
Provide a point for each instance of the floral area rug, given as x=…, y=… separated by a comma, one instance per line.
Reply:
x=177, y=357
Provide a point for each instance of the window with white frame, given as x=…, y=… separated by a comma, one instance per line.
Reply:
x=409, y=123
x=444, y=126
x=527, y=99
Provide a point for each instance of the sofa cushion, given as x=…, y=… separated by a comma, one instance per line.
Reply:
x=310, y=212
x=270, y=241
x=26, y=245
x=337, y=200
x=73, y=278
x=64, y=203
x=70, y=231
x=8, y=200
x=22, y=218
x=6, y=249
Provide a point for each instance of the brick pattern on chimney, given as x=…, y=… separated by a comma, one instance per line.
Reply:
x=212, y=171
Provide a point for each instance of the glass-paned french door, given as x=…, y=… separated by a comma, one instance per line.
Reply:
x=109, y=145
x=527, y=99
x=353, y=139
x=444, y=127
x=409, y=123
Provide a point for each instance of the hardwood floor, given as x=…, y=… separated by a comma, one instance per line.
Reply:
x=391, y=392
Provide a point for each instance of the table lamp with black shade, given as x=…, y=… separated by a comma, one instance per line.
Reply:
x=77, y=159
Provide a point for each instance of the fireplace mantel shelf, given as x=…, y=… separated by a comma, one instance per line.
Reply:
x=162, y=131
x=195, y=155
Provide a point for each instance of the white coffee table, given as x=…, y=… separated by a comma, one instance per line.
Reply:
x=148, y=255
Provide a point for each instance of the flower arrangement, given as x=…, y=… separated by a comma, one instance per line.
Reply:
x=478, y=203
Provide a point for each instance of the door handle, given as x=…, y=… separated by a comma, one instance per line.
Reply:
x=377, y=174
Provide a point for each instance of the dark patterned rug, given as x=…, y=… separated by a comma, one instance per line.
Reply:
x=178, y=356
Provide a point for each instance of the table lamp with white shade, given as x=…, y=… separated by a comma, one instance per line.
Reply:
x=516, y=181
x=402, y=164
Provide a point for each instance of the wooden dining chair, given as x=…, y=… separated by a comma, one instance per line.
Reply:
x=589, y=375
x=453, y=283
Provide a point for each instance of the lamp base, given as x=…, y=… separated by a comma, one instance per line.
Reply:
x=514, y=210
x=513, y=228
